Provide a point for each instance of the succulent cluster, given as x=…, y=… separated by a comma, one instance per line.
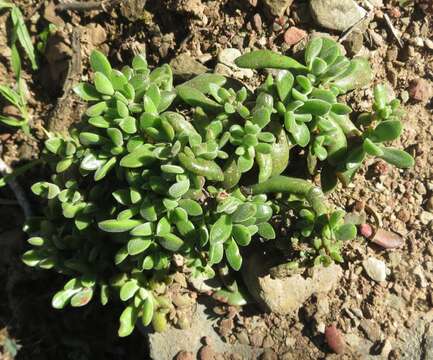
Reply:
x=158, y=177
x=305, y=101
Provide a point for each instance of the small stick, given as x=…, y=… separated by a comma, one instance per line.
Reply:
x=86, y=5
x=347, y=32
x=393, y=30
x=16, y=189
x=81, y=6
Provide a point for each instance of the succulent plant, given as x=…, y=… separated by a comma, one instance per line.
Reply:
x=156, y=173
x=306, y=101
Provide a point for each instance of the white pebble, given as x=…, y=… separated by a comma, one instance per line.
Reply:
x=228, y=56
x=376, y=269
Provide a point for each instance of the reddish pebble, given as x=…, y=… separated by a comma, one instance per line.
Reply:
x=258, y=22
x=185, y=355
x=294, y=35
x=366, y=230
x=420, y=90
x=335, y=339
x=380, y=168
x=387, y=239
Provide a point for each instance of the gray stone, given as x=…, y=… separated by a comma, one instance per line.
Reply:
x=417, y=342
x=166, y=345
x=336, y=14
x=277, y=7
x=426, y=217
x=286, y=295
x=185, y=67
x=228, y=67
x=228, y=56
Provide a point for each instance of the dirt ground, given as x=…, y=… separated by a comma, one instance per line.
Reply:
x=374, y=317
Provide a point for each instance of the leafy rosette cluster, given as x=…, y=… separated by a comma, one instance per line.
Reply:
x=158, y=179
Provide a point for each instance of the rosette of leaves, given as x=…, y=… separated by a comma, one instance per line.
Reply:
x=234, y=222
x=319, y=239
x=306, y=99
x=249, y=139
x=317, y=231
x=382, y=125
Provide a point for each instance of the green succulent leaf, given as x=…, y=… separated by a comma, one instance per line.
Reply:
x=82, y=298
x=386, y=131
x=241, y=234
x=118, y=226
x=128, y=319
x=262, y=59
x=346, y=232
x=100, y=63
x=266, y=231
x=233, y=255
x=397, y=157
x=221, y=229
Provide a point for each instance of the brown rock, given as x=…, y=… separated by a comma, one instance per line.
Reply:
x=335, y=339
x=51, y=16
x=10, y=110
x=206, y=353
x=429, y=205
x=276, y=8
x=268, y=342
x=268, y=354
x=371, y=329
x=185, y=355
x=294, y=35
x=256, y=339
x=403, y=215
x=226, y=326
x=95, y=34
x=420, y=90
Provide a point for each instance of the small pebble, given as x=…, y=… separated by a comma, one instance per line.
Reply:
x=426, y=217
x=387, y=239
x=185, y=355
x=386, y=349
x=294, y=35
x=228, y=56
x=206, y=353
x=276, y=27
x=335, y=339
x=375, y=269
x=429, y=205
x=268, y=354
x=419, y=272
x=258, y=24
x=428, y=43
x=404, y=96
x=366, y=230
x=420, y=90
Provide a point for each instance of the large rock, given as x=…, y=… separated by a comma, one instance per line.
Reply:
x=166, y=345
x=336, y=14
x=286, y=295
x=277, y=7
x=185, y=67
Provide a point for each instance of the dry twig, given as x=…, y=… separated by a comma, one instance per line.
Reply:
x=16, y=189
